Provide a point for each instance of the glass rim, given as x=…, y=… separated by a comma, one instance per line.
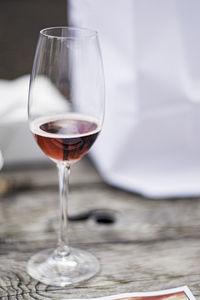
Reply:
x=90, y=32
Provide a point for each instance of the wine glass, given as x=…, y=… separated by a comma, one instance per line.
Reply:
x=65, y=111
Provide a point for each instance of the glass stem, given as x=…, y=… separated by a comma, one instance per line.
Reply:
x=63, y=243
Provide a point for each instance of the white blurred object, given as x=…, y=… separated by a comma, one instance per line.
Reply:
x=151, y=52
x=16, y=142
x=1, y=160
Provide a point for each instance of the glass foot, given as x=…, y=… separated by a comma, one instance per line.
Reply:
x=72, y=269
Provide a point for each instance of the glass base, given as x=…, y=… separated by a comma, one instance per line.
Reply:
x=69, y=270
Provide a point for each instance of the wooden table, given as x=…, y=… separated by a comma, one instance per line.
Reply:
x=153, y=244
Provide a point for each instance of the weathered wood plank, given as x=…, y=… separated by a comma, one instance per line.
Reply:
x=124, y=268
x=152, y=245
x=29, y=212
x=45, y=176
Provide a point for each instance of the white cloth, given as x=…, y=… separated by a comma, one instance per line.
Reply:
x=16, y=142
x=150, y=143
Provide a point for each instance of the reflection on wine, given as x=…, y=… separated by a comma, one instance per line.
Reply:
x=65, y=137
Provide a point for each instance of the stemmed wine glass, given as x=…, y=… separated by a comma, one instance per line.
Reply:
x=65, y=111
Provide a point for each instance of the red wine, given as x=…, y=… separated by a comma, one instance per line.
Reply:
x=65, y=137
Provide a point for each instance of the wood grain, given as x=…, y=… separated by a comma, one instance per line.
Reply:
x=154, y=244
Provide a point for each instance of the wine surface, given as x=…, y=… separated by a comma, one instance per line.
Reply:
x=65, y=137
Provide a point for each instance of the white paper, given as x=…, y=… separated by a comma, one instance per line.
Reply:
x=179, y=293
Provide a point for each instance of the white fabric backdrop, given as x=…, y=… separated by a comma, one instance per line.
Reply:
x=16, y=141
x=151, y=50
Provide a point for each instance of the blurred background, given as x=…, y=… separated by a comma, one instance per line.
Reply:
x=20, y=23
x=152, y=76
